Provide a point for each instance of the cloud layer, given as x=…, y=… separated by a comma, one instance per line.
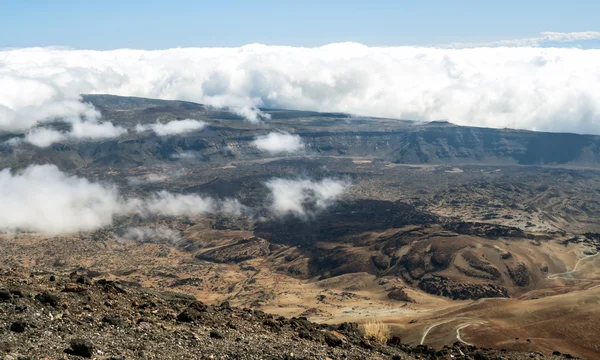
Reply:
x=521, y=87
x=279, y=142
x=173, y=127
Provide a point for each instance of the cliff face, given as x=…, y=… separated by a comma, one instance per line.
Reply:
x=227, y=137
x=447, y=143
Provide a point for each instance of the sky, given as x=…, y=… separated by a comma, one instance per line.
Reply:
x=502, y=64
x=517, y=64
x=153, y=24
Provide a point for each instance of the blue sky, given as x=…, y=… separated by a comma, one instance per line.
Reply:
x=152, y=24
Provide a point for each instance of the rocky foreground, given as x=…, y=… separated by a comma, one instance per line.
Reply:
x=48, y=316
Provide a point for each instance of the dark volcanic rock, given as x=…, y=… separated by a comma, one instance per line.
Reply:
x=332, y=340
x=5, y=295
x=439, y=285
x=519, y=274
x=111, y=320
x=491, y=231
x=18, y=326
x=400, y=295
x=193, y=312
x=304, y=334
x=81, y=347
x=215, y=334
x=346, y=218
x=48, y=299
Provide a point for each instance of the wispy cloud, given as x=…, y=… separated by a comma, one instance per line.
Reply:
x=158, y=234
x=546, y=39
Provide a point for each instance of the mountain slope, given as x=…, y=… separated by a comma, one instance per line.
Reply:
x=228, y=137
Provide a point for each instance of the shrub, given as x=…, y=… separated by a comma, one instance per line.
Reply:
x=376, y=330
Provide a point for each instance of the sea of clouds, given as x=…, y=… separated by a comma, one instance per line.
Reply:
x=506, y=84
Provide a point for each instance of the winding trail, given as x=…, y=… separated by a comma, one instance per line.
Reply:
x=469, y=321
x=431, y=327
x=558, y=276
x=458, y=329
x=465, y=325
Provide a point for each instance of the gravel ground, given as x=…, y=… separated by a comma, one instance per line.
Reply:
x=46, y=316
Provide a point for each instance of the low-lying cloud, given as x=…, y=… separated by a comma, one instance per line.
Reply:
x=94, y=130
x=91, y=130
x=173, y=127
x=166, y=203
x=41, y=198
x=251, y=113
x=44, y=137
x=304, y=198
x=513, y=84
x=279, y=142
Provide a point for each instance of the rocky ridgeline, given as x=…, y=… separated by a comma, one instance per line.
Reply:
x=46, y=316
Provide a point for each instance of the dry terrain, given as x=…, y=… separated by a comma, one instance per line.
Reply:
x=482, y=236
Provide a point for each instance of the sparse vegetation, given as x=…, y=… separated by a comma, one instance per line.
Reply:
x=376, y=330
x=346, y=262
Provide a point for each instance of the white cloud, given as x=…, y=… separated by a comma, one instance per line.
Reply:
x=304, y=197
x=540, y=88
x=18, y=119
x=233, y=207
x=94, y=130
x=169, y=204
x=279, y=142
x=41, y=198
x=43, y=137
x=166, y=203
x=173, y=127
x=252, y=114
